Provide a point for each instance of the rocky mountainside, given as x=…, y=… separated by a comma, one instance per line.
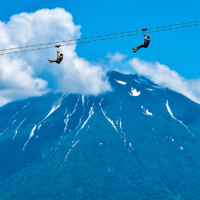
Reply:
x=140, y=141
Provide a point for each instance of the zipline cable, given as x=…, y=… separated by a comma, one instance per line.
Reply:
x=174, y=25
x=100, y=39
x=96, y=36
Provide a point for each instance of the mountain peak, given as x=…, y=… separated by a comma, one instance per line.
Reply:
x=130, y=78
x=136, y=136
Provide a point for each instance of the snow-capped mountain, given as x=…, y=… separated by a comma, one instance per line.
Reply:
x=140, y=141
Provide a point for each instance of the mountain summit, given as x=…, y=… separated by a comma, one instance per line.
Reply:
x=140, y=141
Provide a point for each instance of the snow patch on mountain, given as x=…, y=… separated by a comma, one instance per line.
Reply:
x=26, y=105
x=39, y=126
x=170, y=112
x=88, y=99
x=31, y=135
x=120, y=123
x=68, y=117
x=146, y=112
x=91, y=112
x=149, y=89
x=75, y=143
x=134, y=92
x=83, y=100
x=13, y=121
x=52, y=110
x=56, y=106
x=181, y=148
x=107, y=117
x=136, y=81
x=80, y=119
x=120, y=82
x=157, y=87
x=17, y=129
x=67, y=155
x=3, y=131
x=15, y=114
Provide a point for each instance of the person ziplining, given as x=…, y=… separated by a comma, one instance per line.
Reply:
x=59, y=57
x=147, y=41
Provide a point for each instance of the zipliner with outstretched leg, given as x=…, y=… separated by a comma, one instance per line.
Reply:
x=147, y=41
x=59, y=58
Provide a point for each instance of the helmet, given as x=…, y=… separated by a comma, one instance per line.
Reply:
x=148, y=36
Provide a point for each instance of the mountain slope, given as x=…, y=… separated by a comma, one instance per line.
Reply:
x=140, y=141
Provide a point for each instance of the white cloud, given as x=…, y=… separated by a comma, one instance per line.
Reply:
x=29, y=74
x=116, y=57
x=117, y=62
x=162, y=75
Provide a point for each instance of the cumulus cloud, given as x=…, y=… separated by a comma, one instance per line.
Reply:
x=116, y=57
x=17, y=80
x=162, y=75
x=117, y=62
x=29, y=74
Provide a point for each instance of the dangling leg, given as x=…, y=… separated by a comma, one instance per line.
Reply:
x=136, y=49
x=139, y=47
x=51, y=61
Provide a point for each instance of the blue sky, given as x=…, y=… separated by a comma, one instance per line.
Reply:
x=178, y=49
x=171, y=60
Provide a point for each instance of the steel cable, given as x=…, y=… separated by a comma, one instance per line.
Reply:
x=96, y=36
x=100, y=39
